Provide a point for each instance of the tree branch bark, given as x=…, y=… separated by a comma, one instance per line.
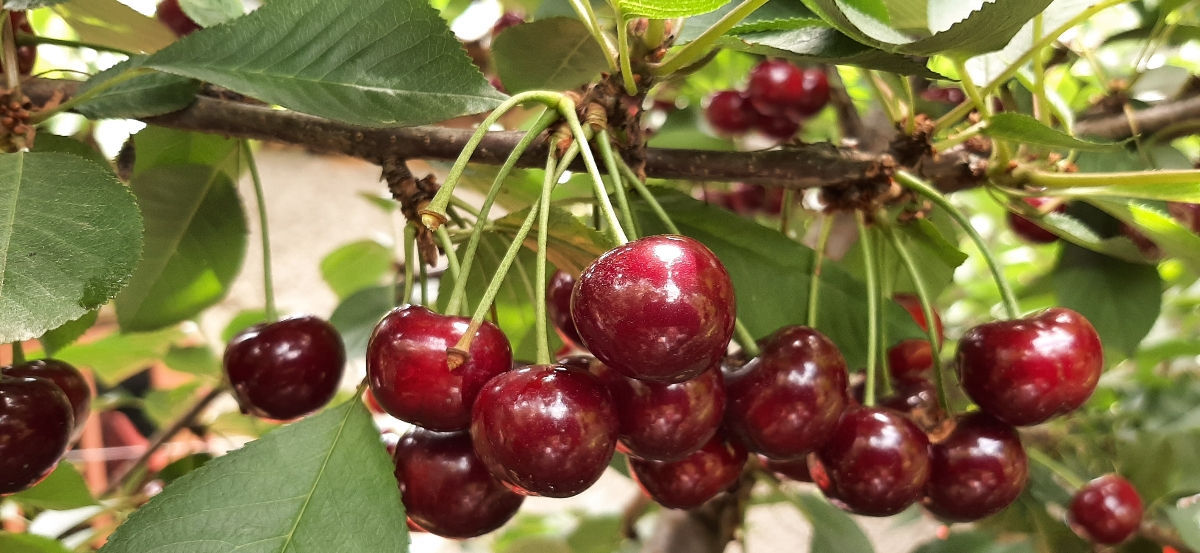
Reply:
x=1148, y=121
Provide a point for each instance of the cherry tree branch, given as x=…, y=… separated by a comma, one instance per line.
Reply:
x=1148, y=121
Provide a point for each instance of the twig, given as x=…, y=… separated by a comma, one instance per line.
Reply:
x=1148, y=121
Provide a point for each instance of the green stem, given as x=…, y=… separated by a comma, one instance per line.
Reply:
x=886, y=286
x=460, y=285
x=614, y=172
x=424, y=281
x=539, y=303
x=410, y=262
x=910, y=125
x=452, y=265
x=1041, y=105
x=745, y=339
x=25, y=39
x=973, y=92
x=39, y=116
x=567, y=108
x=921, y=187
x=18, y=353
x=11, y=76
x=1049, y=179
x=583, y=8
x=814, y=286
x=870, y=264
x=623, y=53
x=785, y=212
x=1068, y=475
x=960, y=137
x=655, y=32
x=260, y=198
x=701, y=45
x=648, y=197
x=883, y=94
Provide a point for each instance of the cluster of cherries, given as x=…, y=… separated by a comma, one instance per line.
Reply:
x=43, y=407
x=777, y=100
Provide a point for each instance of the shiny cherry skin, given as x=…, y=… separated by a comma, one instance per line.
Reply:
x=1029, y=370
x=1187, y=214
x=664, y=422
x=816, y=92
x=777, y=127
x=660, y=308
x=1107, y=510
x=545, y=430
x=67, y=378
x=877, y=461
x=558, y=305
x=729, y=113
x=1030, y=231
x=978, y=469
x=409, y=372
x=169, y=13
x=918, y=400
x=796, y=470
x=691, y=481
x=26, y=55
x=786, y=402
x=285, y=369
x=778, y=88
x=446, y=489
x=35, y=429
x=910, y=359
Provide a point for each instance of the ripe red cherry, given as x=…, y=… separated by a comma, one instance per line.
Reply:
x=877, y=462
x=558, y=305
x=918, y=400
x=285, y=369
x=1188, y=215
x=786, y=402
x=729, y=112
x=1107, y=510
x=978, y=469
x=1030, y=231
x=660, y=308
x=1026, y=371
x=545, y=429
x=26, y=55
x=665, y=422
x=910, y=359
x=35, y=429
x=408, y=370
x=776, y=87
x=446, y=488
x=691, y=481
x=777, y=127
x=816, y=92
x=67, y=378
x=171, y=14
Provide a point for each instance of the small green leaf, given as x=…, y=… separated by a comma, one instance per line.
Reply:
x=548, y=54
x=29, y=543
x=117, y=356
x=1131, y=292
x=356, y=265
x=65, y=335
x=1019, y=127
x=322, y=484
x=198, y=360
x=111, y=23
x=146, y=95
x=859, y=25
x=64, y=489
x=816, y=42
x=666, y=9
x=772, y=16
x=367, y=62
x=356, y=316
x=832, y=529
x=70, y=236
x=987, y=28
x=207, y=13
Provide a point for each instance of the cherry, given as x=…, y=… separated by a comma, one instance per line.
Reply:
x=777, y=127
x=285, y=369
x=978, y=469
x=1030, y=231
x=660, y=308
x=446, y=489
x=408, y=370
x=909, y=359
x=67, y=378
x=545, y=429
x=171, y=14
x=691, y=481
x=35, y=429
x=664, y=422
x=877, y=462
x=1187, y=214
x=915, y=398
x=506, y=21
x=26, y=55
x=1144, y=244
x=729, y=113
x=786, y=402
x=558, y=305
x=948, y=95
x=816, y=92
x=372, y=403
x=1026, y=371
x=1107, y=510
x=796, y=470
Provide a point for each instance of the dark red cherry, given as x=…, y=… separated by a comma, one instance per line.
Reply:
x=816, y=92
x=796, y=470
x=558, y=305
x=665, y=422
x=545, y=429
x=777, y=127
x=660, y=308
x=1145, y=245
x=35, y=429
x=978, y=469
x=910, y=359
x=877, y=461
x=372, y=403
x=775, y=87
x=409, y=373
x=911, y=397
x=446, y=489
x=171, y=14
x=786, y=402
x=729, y=113
x=1107, y=510
x=285, y=369
x=1026, y=371
x=1187, y=214
x=506, y=21
x=948, y=95
x=26, y=55
x=67, y=378
x=691, y=481
x=1030, y=231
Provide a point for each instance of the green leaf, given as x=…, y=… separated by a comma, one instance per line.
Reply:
x=207, y=13
x=243, y=320
x=356, y=316
x=111, y=23
x=177, y=469
x=145, y=95
x=1131, y=295
x=989, y=26
x=322, y=484
x=973, y=542
x=70, y=236
x=1174, y=239
x=815, y=42
x=571, y=244
x=832, y=529
x=1019, y=127
x=596, y=534
x=1187, y=522
x=772, y=16
x=365, y=62
x=356, y=265
x=64, y=489
x=47, y=142
x=158, y=146
x=117, y=356
x=65, y=335
x=29, y=543
x=1187, y=192
x=548, y=54
x=1071, y=229
x=197, y=360
x=14, y=5
x=666, y=9
x=859, y=25
x=166, y=405
x=936, y=257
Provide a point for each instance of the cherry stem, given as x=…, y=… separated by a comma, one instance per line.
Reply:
x=614, y=172
x=26, y=39
x=18, y=353
x=424, y=281
x=700, y=46
x=260, y=199
x=539, y=304
x=870, y=264
x=623, y=54
x=460, y=285
x=814, y=285
x=785, y=213
x=452, y=265
x=744, y=338
x=1063, y=181
x=914, y=274
x=1067, y=475
x=11, y=74
x=919, y=186
x=410, y=262
x=973, y=92
x=566, y=107
x=583, y=8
